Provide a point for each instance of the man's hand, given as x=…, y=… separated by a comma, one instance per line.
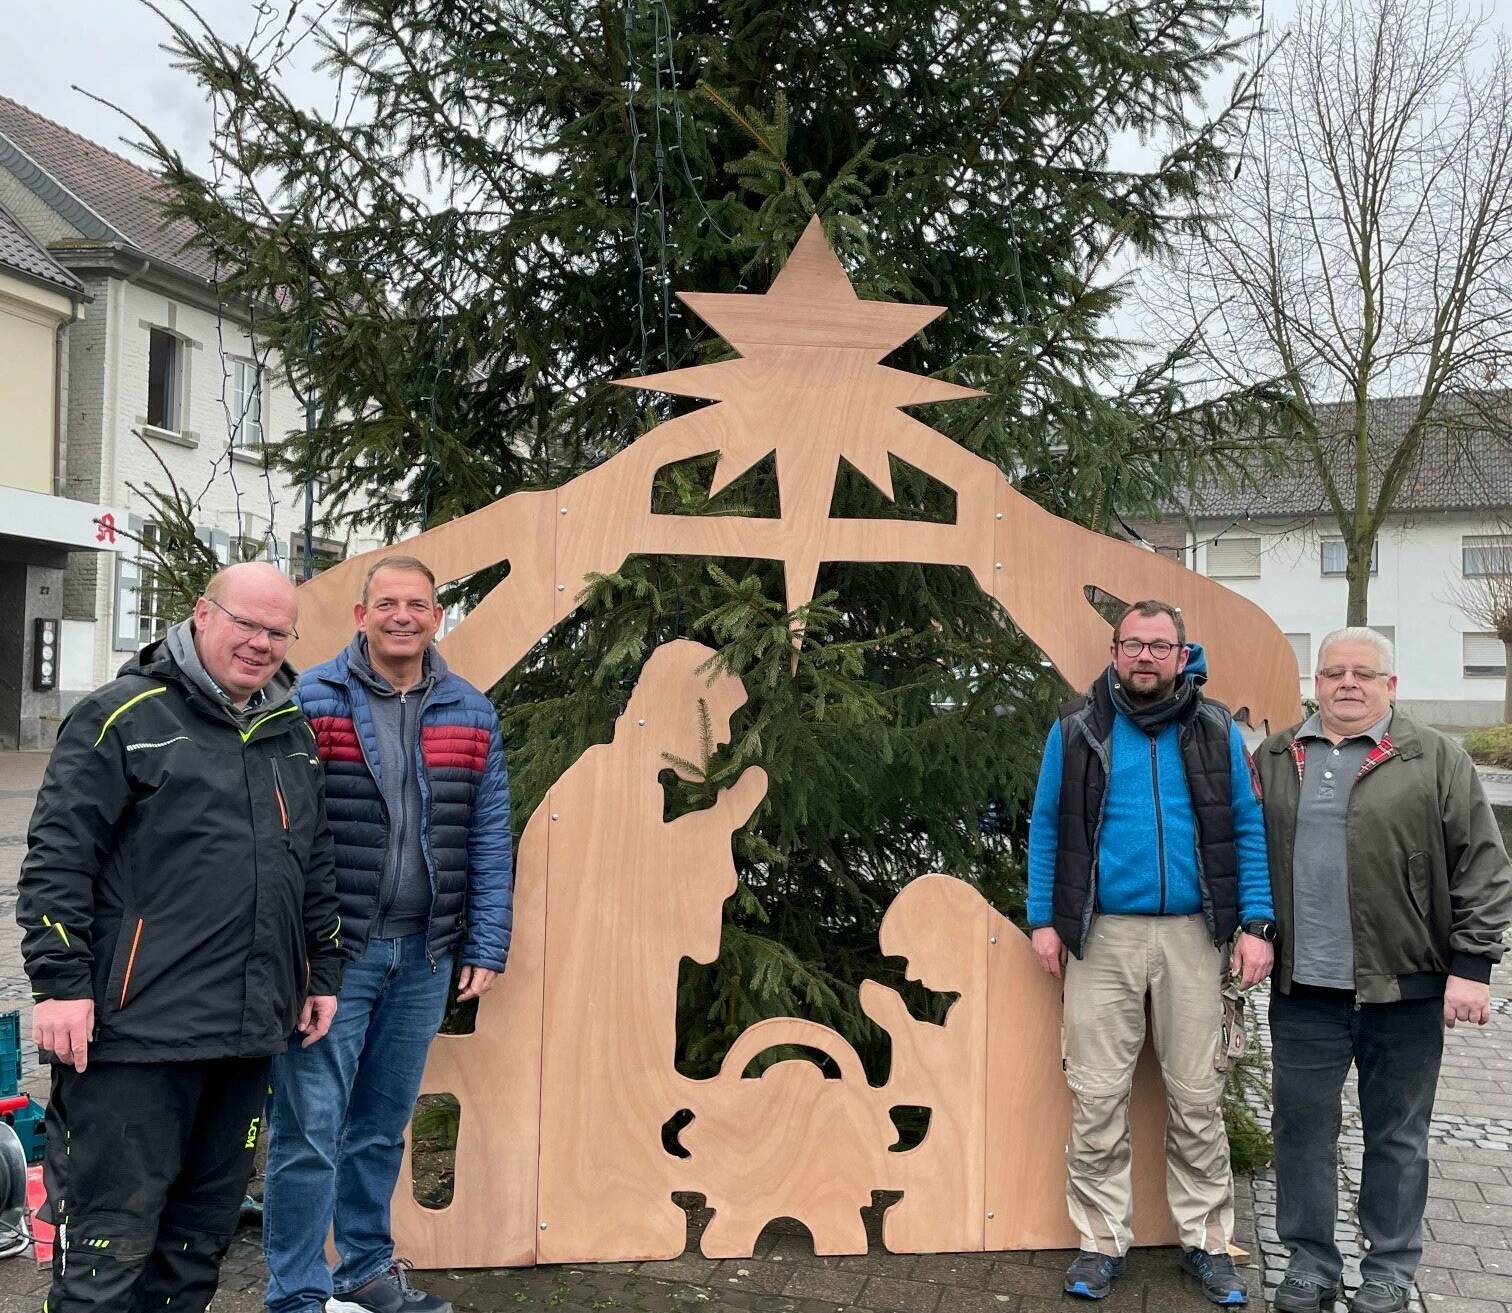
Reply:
x=1253, y=959
x=315, y=1018
x=1466, y=1000
x=63, y=1027
x=1049, y=949
x=474, y=982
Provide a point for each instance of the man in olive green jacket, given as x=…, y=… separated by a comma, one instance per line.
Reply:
x=1392, y=892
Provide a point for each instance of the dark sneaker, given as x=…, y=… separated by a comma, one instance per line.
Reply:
x=1379, y=1297
x=1220, y=1282
x=1300, y=1293
x=1091, y=1275
x=389, y=1292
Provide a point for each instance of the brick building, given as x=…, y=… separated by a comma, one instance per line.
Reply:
x=160, y=372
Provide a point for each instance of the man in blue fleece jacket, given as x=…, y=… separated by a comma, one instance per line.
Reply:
x=1146, y=856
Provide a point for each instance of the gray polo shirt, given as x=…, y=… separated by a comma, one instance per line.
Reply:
x=1323, y=947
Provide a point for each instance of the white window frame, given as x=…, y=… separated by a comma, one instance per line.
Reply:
x=1343, y=568
x=1480, y=550
x=246, y=410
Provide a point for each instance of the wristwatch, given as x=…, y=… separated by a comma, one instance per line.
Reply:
x=1261, y=928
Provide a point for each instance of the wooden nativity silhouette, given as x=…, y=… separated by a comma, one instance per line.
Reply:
x=569, y=1079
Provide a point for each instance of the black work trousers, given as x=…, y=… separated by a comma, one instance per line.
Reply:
x=147, y=1166
x=1316, y=1034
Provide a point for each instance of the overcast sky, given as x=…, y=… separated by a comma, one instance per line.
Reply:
x=113, y=48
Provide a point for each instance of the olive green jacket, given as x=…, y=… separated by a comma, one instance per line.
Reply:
x=1430, y=888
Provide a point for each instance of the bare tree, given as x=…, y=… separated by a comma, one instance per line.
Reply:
x=1363, y=250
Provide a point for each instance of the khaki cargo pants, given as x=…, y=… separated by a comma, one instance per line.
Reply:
x=1173, y=961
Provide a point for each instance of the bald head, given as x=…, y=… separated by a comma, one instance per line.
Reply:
x=260, y=578
x=243, y=626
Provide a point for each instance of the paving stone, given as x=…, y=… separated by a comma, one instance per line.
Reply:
x=828, y=1284
x=891, y=1295
x=1015, y=1279
x=1472, y=1171
x=960, y=1271
x=1455, y=1187
x=1485, y=1285
x=751, y=1274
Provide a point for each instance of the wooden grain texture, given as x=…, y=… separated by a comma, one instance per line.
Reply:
x=495, y=1076
x=629, y=896
x=942, y=927
x=1029, y=1112
x=789, y=1143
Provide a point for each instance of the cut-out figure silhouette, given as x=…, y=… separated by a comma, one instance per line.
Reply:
x=629, y=895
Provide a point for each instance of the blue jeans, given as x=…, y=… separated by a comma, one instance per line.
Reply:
x=1316, y=1034
x=336, y=1122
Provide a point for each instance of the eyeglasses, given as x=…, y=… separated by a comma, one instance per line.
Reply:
x=1160, y=649
x=1361, y=676
x=251, y=629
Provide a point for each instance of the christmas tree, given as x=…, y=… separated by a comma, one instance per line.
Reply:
x=489, y=226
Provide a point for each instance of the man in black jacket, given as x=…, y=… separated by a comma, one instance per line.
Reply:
x=178, y=910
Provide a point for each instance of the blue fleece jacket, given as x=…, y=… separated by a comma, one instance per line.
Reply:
x=1147, y=852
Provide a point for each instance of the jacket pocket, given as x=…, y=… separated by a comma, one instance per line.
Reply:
x=123, y=965
x=1420, y=882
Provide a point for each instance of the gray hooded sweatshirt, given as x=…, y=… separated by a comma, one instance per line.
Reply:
x=404, y=894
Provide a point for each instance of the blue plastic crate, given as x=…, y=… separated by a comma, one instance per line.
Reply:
x=31, y=1130
x=12, y=1059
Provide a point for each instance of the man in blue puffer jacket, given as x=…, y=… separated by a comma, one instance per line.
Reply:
x=418, y=801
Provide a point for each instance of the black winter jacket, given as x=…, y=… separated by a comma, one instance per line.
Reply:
x=180, y=870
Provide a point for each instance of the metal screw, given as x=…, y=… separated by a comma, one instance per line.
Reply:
x=990, y=1216
x=640, y=722
x=997, y=565
x=555, y=815
x=563, y=511
x=561, y=588
x=992, y=939
x=1000, y=515
x=543, y=1226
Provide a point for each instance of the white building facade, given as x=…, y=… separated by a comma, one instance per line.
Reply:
x=163, y=379
x=1452, y=671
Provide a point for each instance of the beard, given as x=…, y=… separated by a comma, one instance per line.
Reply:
x=1146, y=694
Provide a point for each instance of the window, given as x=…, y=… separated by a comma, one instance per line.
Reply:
x=1301, y=645
x=163, y=380
x=1485, y=554
x=246, y=403
x=1484, y=655
x=152, y=596
x=1234, y=558
x=1336, y=560
x=323, y=556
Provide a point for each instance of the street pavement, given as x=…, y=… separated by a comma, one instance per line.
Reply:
x=1468, y=1243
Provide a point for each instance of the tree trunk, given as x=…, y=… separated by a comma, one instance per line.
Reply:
x=1359, y=586
x=1507, y=682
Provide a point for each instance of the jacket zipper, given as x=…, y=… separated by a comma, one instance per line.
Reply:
x=1159, y=826
x=136, y=939
x=283, y=807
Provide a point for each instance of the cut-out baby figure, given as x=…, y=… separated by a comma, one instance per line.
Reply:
x=629, y=895
x=789, y=1143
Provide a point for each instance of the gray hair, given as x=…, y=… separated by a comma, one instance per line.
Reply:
x=1362, y=634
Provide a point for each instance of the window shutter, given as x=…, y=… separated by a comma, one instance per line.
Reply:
x=1301, y=645
x=1234, y=558
x=1484, y=655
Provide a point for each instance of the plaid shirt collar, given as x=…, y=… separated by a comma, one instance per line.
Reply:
x=1312, y=728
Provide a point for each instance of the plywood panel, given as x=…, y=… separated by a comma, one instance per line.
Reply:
x=630, y=895
x=942, y=927
x=790, y=1143
x=1029, y=1113
x=495, y=1076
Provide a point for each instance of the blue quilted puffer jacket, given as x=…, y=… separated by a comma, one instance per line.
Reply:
x=464, y=788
